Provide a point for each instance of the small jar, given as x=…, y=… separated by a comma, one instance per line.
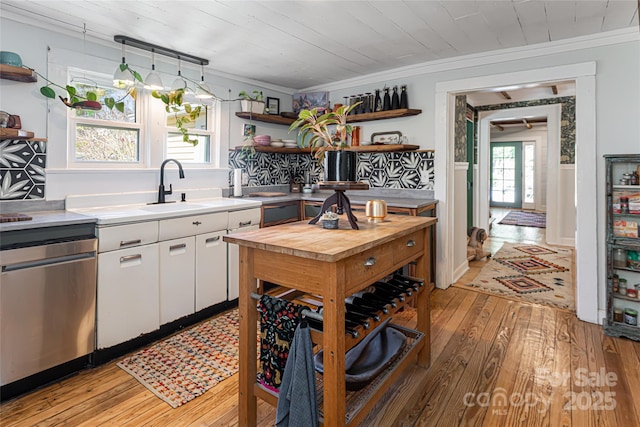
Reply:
x=619, y=258
x=624, y=204
x=615, y=283
x=637, y=290
x=631, y=316
x=632, y=293
x=634, y=179
x=618, y=315
x=622, y=287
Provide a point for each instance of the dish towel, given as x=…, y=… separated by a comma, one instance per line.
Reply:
x=298, y=403
x=278, y=321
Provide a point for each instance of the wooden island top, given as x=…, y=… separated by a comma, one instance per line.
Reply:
x=332, y=264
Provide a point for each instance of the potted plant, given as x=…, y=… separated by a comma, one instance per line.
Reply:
x=330, y=220
x=252, y=104
x=339, y=164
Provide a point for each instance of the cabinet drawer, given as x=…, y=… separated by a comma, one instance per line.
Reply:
x=408, y=246
x=363, y=267
x=244, y=218
x=127, y=236
x=176, y=228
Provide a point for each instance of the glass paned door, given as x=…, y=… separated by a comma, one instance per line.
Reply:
x=506, y=174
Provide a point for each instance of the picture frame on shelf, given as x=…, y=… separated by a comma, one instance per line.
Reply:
x=248, y=129
x=273, y=106
x=309, y=100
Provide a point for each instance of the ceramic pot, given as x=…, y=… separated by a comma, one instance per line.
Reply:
x=330, y=223
x=376, y=210
x=341, y=165
x=255, y=107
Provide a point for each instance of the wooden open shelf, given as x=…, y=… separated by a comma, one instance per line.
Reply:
x=359, y=149
x=380, y=115
x=7, y=133
x=20, y=74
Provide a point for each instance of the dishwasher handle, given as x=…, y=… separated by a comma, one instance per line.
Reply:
x=47, y=261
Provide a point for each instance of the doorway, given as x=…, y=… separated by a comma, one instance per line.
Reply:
x=506, y=175
x=586, y=207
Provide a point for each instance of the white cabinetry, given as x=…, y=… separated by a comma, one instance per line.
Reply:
x=127, y=301
x=188, y=263
x=245, y=220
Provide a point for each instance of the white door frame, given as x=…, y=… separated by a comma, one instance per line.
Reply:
x=586, y=205
x=552, y=112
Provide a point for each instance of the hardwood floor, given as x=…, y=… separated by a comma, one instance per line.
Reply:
x=495, y=362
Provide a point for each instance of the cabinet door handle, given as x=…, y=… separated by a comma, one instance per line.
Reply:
x=130, y=242
x=370, y=262
x=130, y=258
x=176, y=247
x=411, y=243
x=244, y=223
x=212, y=239
x=196, y=223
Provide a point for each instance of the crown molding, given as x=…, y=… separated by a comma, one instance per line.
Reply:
x=625, y=35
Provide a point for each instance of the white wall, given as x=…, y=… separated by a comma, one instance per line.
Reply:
x=48, y=118
x=460, y=263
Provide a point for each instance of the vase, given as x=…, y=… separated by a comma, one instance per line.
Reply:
x=386, y=104
x=340, y=165
x=377, y=103
x=395, y=99
x=330, y=223
x=404, y=100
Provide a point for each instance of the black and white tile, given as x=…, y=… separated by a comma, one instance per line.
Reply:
x=410, y=170
x=22, y=165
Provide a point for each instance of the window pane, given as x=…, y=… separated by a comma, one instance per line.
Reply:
x=105, y=91
x=186, y=152
x=106, y=144
x=200, y=123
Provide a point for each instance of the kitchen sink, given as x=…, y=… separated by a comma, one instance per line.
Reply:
x=171, y=207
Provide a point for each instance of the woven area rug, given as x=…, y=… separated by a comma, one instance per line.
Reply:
x=530, y=273
x=186, y=365
x=525, y=219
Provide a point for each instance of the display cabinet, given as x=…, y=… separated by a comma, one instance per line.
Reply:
x=623, y=245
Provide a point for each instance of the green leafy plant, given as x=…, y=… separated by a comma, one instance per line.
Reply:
x=329, y=216
x=74, y=99
x=314, y=129
x=173, y=101
x=257, y=95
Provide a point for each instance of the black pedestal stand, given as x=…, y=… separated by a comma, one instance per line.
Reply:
x=343, y=205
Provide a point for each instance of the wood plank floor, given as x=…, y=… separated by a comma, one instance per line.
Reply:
x=495, y=362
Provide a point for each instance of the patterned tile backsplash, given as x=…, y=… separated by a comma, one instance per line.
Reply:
x=409, y=169
x=22, y=166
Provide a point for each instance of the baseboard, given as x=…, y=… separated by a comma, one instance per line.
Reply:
x=460, y=271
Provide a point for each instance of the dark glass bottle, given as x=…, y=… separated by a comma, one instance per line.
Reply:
x=395, y=99
x=386, y=104
x=377, y=103
x=404, y=101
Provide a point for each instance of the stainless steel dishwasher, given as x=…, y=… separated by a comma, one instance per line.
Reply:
x=47, y=306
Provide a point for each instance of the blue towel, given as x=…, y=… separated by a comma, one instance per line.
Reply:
x=298, y=403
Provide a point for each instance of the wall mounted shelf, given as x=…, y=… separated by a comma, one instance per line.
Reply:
x=19, y=74
x=380, y=115
x=359, y=149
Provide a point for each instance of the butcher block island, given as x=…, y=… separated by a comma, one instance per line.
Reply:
x=331, y=264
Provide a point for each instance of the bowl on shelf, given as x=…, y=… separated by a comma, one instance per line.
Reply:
x=10, y=58
x=277, y=144
x=262, y=139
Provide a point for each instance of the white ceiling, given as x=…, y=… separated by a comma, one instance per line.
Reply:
x=301, y=44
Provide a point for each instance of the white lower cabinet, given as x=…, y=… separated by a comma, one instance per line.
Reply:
x=211, y=269
x=177, y=278
x=127, y=300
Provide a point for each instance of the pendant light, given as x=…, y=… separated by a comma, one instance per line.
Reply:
x=203, y=91
x=122, y=78
x=153, y=80
x=179, y=82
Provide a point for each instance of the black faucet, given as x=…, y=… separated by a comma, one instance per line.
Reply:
x=161, y=190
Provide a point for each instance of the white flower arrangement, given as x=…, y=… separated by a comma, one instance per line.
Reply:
x=329, y=216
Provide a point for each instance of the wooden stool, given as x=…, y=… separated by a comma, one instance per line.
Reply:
x=339, y=199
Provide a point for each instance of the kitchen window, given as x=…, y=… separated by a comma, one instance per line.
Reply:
x=105, y=136
x=200, y=129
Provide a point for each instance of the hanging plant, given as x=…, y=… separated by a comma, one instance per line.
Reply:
x=173, y=102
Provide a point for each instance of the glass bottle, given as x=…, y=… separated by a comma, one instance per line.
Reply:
x=404, y=101
x=395, y=99
x=377, y=102
x=386, y=104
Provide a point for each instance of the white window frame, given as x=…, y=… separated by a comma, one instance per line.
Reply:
x=73, y=120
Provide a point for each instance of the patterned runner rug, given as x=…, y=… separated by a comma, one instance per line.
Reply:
x=530, y=273
x=186, y=365
x=525, y=219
